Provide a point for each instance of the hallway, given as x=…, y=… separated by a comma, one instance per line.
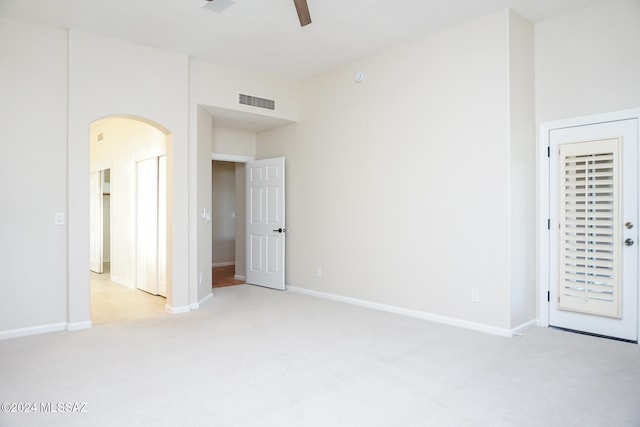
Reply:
x=115, y=303
x=225, y=276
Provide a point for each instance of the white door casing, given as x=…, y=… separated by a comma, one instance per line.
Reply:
x=265, y=231
x=593, y=275
x=96, y=256
x=162, y=226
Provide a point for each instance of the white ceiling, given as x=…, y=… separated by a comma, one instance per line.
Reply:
x=265, y=35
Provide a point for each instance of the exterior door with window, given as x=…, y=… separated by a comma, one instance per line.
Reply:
x=594, y=228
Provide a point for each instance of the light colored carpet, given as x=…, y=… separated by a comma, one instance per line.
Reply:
x=256, y=357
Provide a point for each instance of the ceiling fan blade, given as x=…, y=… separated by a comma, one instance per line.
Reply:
x=303, y=12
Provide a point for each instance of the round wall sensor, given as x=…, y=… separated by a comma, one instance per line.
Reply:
x=359, y=76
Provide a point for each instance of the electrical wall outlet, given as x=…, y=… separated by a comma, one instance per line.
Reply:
x=318, y=271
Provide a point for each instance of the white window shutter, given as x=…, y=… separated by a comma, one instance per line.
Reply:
x=589, y=177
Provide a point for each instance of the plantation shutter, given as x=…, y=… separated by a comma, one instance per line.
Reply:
x=590, y=270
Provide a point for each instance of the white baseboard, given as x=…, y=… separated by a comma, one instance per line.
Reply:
x=203, y=301
x=518, y=330
x=124, y=282
x=34, y=330
x=222, y=264
x=480, y=327
x=177, y=310
x=78, y=326
x=238, y=277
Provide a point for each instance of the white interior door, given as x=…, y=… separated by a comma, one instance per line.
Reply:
x=147, y=226
x=265, y=231
x=594, y=223
x=95, y=222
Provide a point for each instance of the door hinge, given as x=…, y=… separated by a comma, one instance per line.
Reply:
x=548, y=151
x=548, y=296
x=549, y=224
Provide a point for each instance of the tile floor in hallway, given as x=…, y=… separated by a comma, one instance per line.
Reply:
x=115, y=303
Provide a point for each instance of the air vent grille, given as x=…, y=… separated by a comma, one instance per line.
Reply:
x=254, y=101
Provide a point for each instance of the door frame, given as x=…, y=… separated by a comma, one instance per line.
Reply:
x=544, y=206
x=232, y=158
x=96, y=240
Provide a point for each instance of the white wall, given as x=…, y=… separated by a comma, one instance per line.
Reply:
x=399, y=187
x=233, y=141
x=223, y=212
x=522, y=199
x=33, y=104
x=200, y=228
x=218, y=86
x=54, y=85
x=588, y=62
x=107, y=78
x=125, y=142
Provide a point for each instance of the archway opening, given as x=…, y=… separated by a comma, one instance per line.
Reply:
x=129, y=225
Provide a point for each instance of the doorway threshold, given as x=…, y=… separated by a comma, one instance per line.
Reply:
x=594, y=335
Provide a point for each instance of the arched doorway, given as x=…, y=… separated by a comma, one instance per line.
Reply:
x=128, y=252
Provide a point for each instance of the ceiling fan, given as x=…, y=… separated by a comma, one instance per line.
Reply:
x=301, y=7
x=303, y=12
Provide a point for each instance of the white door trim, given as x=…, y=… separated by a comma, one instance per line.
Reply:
x=231, y=158
x=544, y=212
x=96, y=222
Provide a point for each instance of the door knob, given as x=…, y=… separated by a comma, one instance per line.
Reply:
x=628, y=242
x=280, y=230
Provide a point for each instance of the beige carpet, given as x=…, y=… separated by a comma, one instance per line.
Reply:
x=256, y=357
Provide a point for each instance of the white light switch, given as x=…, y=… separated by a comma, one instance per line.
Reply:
x=475, y=295
x=59, y=218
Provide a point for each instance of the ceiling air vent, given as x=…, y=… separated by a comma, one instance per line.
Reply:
x=254, y=101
